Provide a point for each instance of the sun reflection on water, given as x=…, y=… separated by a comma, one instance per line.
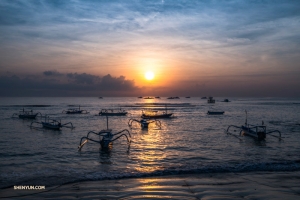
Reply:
x=153, y=145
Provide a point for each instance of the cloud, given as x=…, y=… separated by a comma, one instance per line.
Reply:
x=52, y=73
x=71, y=84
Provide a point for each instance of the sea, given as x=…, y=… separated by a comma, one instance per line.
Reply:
x=190, y=142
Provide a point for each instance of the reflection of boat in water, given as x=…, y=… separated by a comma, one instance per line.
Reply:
x=225, y=100
x=26, y=114
x=148, y=98
x=112, y=112
x=154, y=114
x=215, y=112
x=203, y=98
x=211, y=100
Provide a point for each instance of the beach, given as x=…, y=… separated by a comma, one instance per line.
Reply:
x=248, y=185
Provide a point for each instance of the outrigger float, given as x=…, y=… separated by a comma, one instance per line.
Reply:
x=75, y=111
x=106, y=137
x=112, y=112
x=144, y=123
x=26, y=114
x=257, y=132
x=52, y=124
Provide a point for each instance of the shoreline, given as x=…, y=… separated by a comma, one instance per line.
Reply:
x=241, y=185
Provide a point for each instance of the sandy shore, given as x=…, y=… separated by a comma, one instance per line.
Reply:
x=253, y=185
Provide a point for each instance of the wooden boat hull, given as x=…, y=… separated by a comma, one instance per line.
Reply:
x=145, y=116
x=215, y=113
x=74, y=112
x=113, y=114
x=50, y=126
x=28, y=116
x=251, y=133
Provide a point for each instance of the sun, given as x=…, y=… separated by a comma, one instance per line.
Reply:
x=149, y=75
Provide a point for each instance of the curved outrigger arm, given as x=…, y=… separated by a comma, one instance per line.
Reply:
x=131, y=121
x=37, y=114
x=85, y=141
x=71, y=127
x=229, y=133
x=125, y=130
x=34, y=123
x=14, y=114
x=157, y=123
x=279, y=137
x=85, y=112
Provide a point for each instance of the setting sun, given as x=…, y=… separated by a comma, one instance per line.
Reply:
x=149, y=75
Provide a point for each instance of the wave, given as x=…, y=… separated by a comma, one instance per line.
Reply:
x=49, y=178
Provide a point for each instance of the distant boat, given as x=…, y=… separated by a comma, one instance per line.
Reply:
x=26, y=114
x=203, y=98
x=112, y=112
x=140, y=97
x=225, y=100
x=215, y=112
x=157, y=97
x=148, y=98
x=211, y=100
x=100, y=97
x=75, y=111
x=173, y=98
x=187, y=97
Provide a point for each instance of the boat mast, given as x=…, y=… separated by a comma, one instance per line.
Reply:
x=246, y=118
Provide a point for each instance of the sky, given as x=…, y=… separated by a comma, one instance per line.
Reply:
x=233, y=48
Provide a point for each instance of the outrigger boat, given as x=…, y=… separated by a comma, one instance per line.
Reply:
x=257, y=132
x=26, y=114
x=112, y=112
x=144, y=123
x=52, y=124
x=75, y=111
x=106, y=137
x=211, y=100
x=154, y=114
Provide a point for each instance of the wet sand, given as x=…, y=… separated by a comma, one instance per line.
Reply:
x=251, y=185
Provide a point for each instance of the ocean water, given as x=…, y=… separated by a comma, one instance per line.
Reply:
x=190, y=142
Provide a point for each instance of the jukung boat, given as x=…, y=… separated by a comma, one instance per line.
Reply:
x=112, y=112
x=144, y=123
x=154, y=114
x=258, y=132
x=52, y=124
x=26, y=114
x=211, y=100
x=105, y=137
x=75, y=111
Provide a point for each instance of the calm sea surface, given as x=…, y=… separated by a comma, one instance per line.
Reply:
x=191, y=142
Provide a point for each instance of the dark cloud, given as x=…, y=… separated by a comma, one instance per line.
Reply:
x=52, y=73
x=76, y=85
